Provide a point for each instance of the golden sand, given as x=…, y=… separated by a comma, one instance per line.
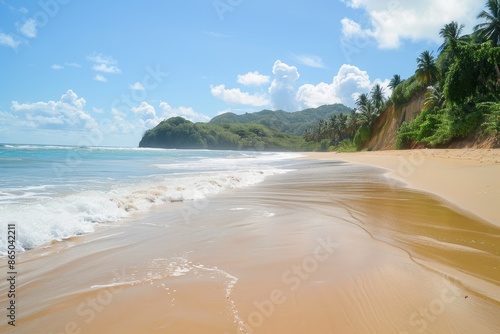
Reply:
x=330, y=248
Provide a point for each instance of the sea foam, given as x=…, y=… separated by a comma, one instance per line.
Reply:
x=45, y=219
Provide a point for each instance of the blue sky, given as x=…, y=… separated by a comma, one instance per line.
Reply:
x=101, y=72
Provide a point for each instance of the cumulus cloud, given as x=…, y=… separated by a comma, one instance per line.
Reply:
x=28, y=28
x=100, y=78
x=392, y=22
x=253, y=79
x=346, y=85
x=65, y=114
x=310, y=60
x=136, y=86
x=186, y=112
x=282, y=89
x=149, y=117
x=9, y=41
x=119, y=123
x=236, y=96
x=57, y=67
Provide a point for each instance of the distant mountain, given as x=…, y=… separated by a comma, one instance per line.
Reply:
x=289, y=122
x=179, y=133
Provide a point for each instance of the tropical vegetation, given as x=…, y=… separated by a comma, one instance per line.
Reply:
x=179, y=133
x=348, y=132
x=462, y=85
x=460, y=89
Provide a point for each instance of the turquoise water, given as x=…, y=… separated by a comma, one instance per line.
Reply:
x=56, y=192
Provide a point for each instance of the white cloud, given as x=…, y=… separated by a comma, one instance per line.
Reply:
x=97, y=110
x=67, y=113
x=8, y=40
x=186, y=112
x=310, y=60
x=119, y=123
x=60, y=67
x=101, y=59
x=103, y=64
x=144, y=109
x=236, y=96
x=136, y=86
x=351, y=29
x=28, y=29
x=392, y=22
x=100, y=78
x=149, y=117
x=346, y=85
x=105, y=68
x=349, y=82
x=253, y=79
x=282, y=87
x=73, y=64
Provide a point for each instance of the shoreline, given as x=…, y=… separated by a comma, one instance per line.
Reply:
x=468, y=179
x=328, y=247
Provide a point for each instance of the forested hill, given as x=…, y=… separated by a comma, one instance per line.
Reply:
x=289, y=122
x=179, y=133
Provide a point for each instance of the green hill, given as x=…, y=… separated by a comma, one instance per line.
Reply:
x=179, y=133
x=289, y=122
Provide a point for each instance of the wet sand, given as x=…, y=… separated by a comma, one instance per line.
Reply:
x=469, y=179
x=330, y=248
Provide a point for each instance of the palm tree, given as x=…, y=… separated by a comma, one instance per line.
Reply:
x=368, y=114
x=451, y=33
x=434, y=98
x=352, y=123
x=342, y=127
x=427, y=71
x=490, y=30
x=333, y=126
x=395, y=81
x=377, y=96
x=362, y=100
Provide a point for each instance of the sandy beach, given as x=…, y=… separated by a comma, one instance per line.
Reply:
x=376, y=242
x=467, y=178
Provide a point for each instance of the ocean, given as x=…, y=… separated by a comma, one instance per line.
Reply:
x=57, y=192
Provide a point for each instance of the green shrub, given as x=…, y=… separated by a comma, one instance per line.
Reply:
x=491, y=112
x=406, y=135
x=362, y=137
x=345, y=146
x=405, y=91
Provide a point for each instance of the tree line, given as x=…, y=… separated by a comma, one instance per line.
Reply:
x=461, y=86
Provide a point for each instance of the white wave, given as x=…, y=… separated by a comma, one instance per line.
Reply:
x=43, y=220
